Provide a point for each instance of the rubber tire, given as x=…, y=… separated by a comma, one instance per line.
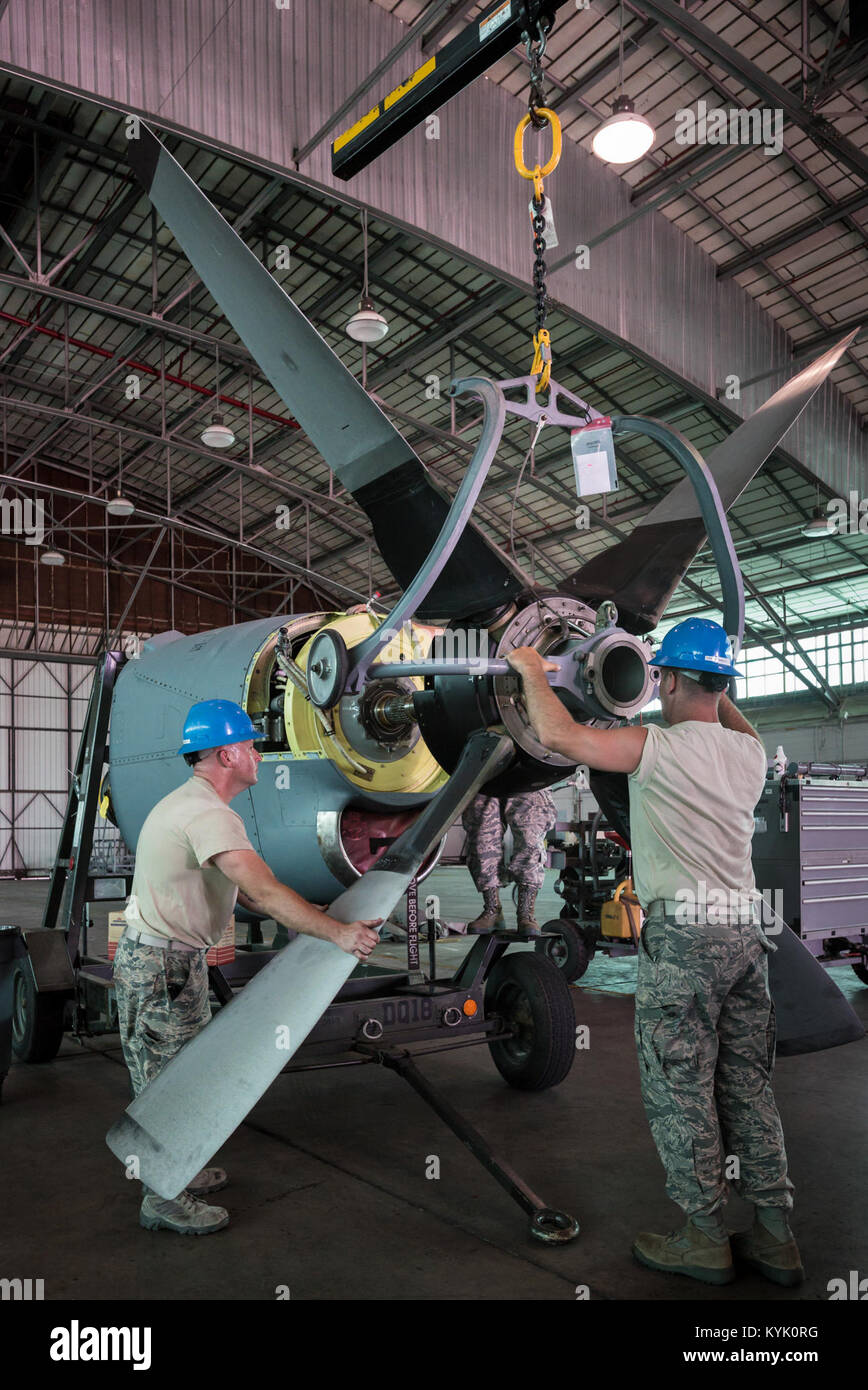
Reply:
x=572, y=954
x=37, y=1019
x=527, y=989
x=862, y=972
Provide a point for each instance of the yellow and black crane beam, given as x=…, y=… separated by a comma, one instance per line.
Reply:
x=438, y=79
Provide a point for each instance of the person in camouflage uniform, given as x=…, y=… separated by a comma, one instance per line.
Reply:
x=529, y=815
x=162, y=999
x=705, y=1037
x=194, y=860
x=704, y=1024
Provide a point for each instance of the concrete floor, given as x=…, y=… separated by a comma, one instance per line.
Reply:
x=329, y=1194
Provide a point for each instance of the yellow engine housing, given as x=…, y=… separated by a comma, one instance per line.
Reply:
x=413, y=772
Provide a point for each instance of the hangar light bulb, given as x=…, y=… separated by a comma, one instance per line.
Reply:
x=52, y=557
x=625, y=136
x=119, y=506
x=366, y=325
x=819, y=525
x=217, y=435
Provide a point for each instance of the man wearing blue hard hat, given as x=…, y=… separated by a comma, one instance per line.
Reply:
x=705, y=1030
x=193, y=860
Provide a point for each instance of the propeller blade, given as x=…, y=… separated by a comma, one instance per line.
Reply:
x=190, y=1109
x=811, y=1013
x=641, y=573
x=356, y=439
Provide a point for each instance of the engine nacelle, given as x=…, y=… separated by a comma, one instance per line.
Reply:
x=325, y=804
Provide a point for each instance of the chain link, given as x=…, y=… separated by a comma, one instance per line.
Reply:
x=539, y=264
x=535, y=49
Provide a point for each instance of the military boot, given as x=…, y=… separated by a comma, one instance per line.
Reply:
x=491, y=916
x=689, y=1251
x=770, y=1247
x=208, y=1181
x=183, y=1214
x=525, y=920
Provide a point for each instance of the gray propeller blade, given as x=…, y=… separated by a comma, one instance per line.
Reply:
x=810, y=1010
x=641, y=573
x=190, y=1109
x=356, y=439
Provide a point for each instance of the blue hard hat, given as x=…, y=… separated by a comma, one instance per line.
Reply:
x=696, y=644
x=213, y=723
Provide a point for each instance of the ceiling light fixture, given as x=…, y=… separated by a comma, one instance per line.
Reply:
x=624, y=136
x=120, y=505
x=52, y=557
x=366, y=324
x=216, y=434
x=819, y=525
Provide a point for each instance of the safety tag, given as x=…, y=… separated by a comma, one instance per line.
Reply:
x=493, y=22
x=594, y=457
x=550, y=236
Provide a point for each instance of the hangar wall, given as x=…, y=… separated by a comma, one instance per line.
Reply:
x=833, y=742
x=42, y=710
x=806, y=731
x=260, y=80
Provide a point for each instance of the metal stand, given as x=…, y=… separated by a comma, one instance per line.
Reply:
x=64, y=907
x=546, y=1223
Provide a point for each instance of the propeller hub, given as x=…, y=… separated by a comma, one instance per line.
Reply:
x=381, y=723
x=612, y=679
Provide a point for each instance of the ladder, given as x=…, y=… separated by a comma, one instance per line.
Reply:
x=64, y=907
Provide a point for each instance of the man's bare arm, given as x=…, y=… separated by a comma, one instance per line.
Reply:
x=609, y=750
x=731, y=718
x=251, y=874
x=248, y=903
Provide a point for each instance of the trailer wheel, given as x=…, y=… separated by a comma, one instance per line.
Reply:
x=532, y=997
x=862, y=972
x=37, y=1019
x=568, y=950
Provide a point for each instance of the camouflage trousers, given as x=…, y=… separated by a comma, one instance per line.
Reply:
x=162, y=1001
x=705, y=1034
x=529, y=816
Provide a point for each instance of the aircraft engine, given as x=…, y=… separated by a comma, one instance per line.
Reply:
x=334, y=787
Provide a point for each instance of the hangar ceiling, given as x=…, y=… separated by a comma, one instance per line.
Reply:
x=793, y=232
x=120, y=298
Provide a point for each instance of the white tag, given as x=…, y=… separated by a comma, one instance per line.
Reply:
x=550, y=236
x=594, y=458
x=495, y=21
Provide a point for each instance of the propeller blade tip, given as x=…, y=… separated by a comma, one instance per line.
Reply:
x=143, y=152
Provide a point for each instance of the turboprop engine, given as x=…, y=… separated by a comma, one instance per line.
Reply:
x=338, y=784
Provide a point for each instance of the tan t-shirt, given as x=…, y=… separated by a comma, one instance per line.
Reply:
x=692, y=801
x=175, y=892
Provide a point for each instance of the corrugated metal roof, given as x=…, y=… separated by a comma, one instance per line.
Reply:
x=424, y=292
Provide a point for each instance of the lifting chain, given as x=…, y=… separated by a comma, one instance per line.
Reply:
x=535, y=50
x=539, y=116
